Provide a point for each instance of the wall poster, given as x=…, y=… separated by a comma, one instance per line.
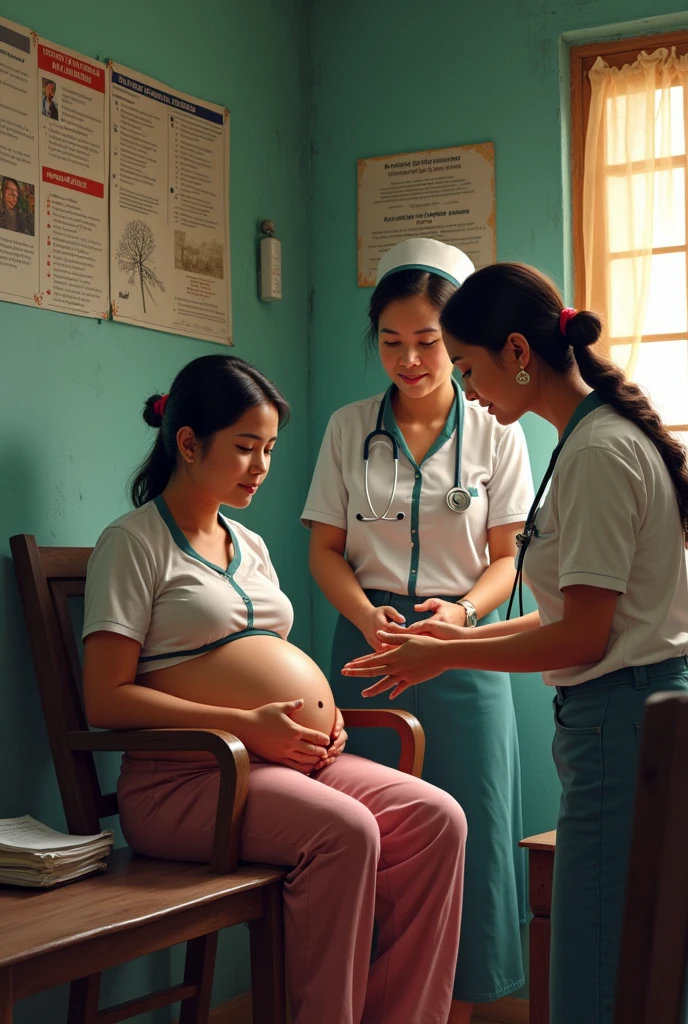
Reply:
x=447, y=194
x=169, y=209
x=53, y=176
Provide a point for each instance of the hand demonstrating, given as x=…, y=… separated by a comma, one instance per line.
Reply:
x=336, y=747
x=271, y=734
x=376, y=619
x=394, y=635
x=417, y=658
x=443, y=611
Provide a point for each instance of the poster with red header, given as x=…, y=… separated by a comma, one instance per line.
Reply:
x=73, y=146
x=54, y=167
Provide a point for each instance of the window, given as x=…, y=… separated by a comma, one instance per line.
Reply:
x=630, y=207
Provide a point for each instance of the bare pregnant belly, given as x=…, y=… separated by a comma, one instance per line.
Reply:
x=246, y=674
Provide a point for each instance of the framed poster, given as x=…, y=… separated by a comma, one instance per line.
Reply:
x=447, y=194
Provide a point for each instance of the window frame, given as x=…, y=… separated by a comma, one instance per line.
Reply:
x=581, y=58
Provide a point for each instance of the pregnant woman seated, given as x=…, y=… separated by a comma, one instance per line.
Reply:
x=186, y=626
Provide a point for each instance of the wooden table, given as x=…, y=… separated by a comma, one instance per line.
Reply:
x=49, y=937
x=541, y=856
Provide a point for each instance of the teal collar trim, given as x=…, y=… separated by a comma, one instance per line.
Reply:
x=588, y=405
x=212, y=646
x=181, y=541
x=392, y=426
x=452, y=423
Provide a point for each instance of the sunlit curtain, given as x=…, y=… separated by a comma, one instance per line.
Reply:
x=634, y=212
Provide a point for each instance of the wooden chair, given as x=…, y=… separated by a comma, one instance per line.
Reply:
x=139, y=905
x=654, y=949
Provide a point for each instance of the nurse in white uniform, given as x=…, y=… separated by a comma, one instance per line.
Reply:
x=604, y=557
x=415, y=505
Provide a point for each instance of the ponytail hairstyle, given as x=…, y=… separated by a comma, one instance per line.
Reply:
x=209, y=394
x=512, y=298
x=404, y=284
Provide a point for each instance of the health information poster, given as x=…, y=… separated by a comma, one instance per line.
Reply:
x=169, y=209
x=447, y=194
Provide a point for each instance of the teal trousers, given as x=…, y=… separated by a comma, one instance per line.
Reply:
x=471, y=753
x=597, y=729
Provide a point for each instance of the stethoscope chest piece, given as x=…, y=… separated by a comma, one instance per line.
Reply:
x=458, y=499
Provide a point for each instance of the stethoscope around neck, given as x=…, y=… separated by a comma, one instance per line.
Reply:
x=588, y=405
x=458, y=498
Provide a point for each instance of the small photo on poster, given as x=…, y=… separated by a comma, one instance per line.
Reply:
x=17, y=205
x=198, y=256
x=49, y=99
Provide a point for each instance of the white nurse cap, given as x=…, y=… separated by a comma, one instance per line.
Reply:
x=426, y=254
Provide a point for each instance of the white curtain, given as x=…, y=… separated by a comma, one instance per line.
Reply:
x=634, y=200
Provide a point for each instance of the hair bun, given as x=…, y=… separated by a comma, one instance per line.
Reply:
x=583, y=329
x=150, y=414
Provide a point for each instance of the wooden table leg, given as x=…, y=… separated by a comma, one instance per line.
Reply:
x=6, y=995
x=268, y=987
x=83, y=1000
x=541, y=868
x=199, y=971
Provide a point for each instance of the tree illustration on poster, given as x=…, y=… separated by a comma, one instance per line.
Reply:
x=135, y=258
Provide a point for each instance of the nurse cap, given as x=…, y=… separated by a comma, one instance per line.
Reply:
x=426, y=254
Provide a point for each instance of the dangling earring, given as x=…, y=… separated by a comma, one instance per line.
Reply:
x=523, y=377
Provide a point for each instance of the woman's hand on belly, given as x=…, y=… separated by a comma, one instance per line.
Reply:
x=271, y=733
x=338, y=742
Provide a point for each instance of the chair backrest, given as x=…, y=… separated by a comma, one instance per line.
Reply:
x=48, y=578
x=654, y=950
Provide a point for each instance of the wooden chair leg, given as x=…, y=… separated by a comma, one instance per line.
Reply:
x=267, y=960
x=6, y=995
x=83, y=1000
x=199, y=970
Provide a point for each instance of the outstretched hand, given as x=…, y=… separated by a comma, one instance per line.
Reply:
x=413, y=661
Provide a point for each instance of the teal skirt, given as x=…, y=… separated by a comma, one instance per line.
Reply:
x=472, y=753
x=597, y=732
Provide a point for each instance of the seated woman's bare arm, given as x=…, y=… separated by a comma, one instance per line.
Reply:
x=114, y=700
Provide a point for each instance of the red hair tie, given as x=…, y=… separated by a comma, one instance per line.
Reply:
x=159, y=405
x=564, y=317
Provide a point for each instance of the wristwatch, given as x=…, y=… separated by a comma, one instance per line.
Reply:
x=471, y=614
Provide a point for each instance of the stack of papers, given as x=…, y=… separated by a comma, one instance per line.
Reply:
x=34, y=854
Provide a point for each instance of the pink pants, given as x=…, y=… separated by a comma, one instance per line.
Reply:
x=364, y=842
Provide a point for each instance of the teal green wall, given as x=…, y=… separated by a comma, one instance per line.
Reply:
x=393, y=76
x=73, y=389
x=364, y=78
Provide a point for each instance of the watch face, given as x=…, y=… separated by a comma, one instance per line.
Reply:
x=471, y=617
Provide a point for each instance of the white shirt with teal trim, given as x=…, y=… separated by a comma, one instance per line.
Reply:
x=610, y=520
x=432, y=551
x=146, y=582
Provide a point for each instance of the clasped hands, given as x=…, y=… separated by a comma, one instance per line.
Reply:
x=271, y=733
x=408, y=655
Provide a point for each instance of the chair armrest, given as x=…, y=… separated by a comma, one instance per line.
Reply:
x=233, y=762
x=405, y=724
